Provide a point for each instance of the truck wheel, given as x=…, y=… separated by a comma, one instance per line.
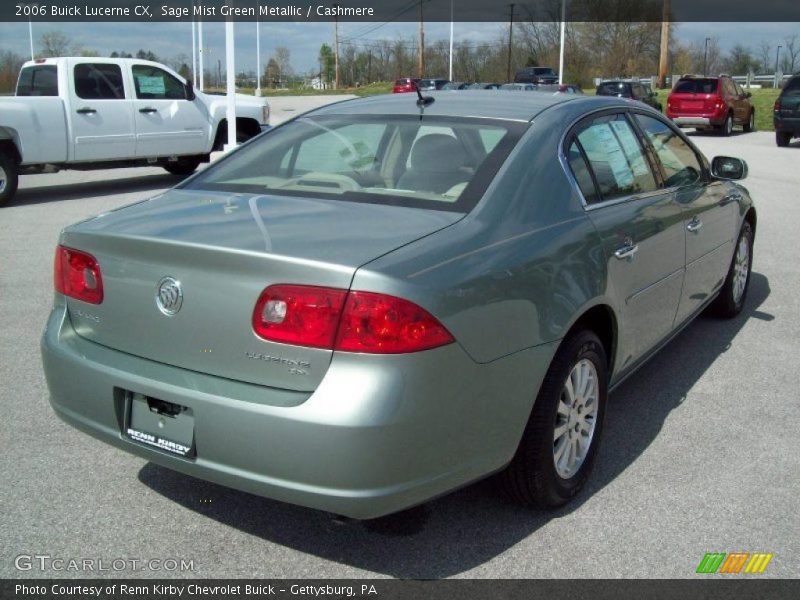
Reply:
x=183, y=166
x=560, y=441
x=782, y=138
x=8, y=179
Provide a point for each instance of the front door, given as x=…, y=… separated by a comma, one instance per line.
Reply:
x=167, y=123
x=641, y=228
x=708, y=210
x=101, y=112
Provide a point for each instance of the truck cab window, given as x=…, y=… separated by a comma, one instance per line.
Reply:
x=99, y=81
x=38, y=81
x=153, y=83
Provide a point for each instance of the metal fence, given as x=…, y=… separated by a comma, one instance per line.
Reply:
x=744, y=80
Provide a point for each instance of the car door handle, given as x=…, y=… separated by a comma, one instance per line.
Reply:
x=627, y=250
x=86, y=111
x=694, y=225
x=734, y=197
x=148, y=110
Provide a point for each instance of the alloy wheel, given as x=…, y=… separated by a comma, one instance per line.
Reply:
x=741, y=268
x=3, y=180
x=576, y=418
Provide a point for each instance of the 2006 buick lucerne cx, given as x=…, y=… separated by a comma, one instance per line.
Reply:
x=388, y=298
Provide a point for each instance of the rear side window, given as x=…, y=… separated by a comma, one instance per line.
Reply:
x=152, y=83
x=615, y=157
x=38, y=81
x=792, y=87
x=99, y=82
x=677, y=159
x=582, y=174
x=696, y=86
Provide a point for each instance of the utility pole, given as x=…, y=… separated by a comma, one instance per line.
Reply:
x=200, y=52
x=662, y=61
x=30, y=37
x=777, y=56
x=705, y=58
x=258, y=58
x=561, y=41
x=451, y=42
x=336, y=47
x=421, y=57
x=510, y=41
x=369, y=66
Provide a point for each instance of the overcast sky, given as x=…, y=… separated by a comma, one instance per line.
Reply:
x=303, y=39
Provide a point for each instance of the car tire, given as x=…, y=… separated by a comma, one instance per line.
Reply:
x=751, y=123
x=782, y=138
x=726, y=129
x=533, y=477
x=9, y=179
x=733, y=294
x=182, y=167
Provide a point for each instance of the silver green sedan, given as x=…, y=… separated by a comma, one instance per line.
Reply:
x=383, y=299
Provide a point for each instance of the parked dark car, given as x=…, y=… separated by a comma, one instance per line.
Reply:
x=430, y=85
x=536, y=75
x=484, y=86
x=405, y=85
x=518, y=87
x=456, y=85
x=711, y=103
x=629, y=89
x=786, y=116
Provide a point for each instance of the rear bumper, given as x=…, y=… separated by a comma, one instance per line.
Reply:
x=380, y=433
x=786, y=123
x=694, y=121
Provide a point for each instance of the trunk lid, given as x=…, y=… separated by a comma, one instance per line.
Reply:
x=224, y=249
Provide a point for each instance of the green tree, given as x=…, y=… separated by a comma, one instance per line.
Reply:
x=327, y=64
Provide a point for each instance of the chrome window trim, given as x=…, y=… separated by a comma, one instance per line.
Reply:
x=628, y=111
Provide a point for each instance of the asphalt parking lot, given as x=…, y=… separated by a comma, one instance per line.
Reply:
x=700, y=451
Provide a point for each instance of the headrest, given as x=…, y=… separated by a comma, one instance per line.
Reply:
x=438, y=153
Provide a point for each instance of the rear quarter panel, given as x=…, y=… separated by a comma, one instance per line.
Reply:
x=37, y=125
x=517, y=271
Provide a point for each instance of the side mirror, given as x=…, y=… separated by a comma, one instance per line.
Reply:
x=189, y=88
x=728, y=167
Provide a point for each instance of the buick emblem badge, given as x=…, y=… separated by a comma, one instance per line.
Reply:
x=169, y=296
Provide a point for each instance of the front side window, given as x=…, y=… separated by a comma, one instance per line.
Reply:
x=677, y=159
x=38, y=81
x=615, y=157
x=152, y=83
x=441, y=163
x=99, y=81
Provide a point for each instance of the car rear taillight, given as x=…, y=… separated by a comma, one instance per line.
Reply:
x=299, y=314
x=777, y=106
x=77, y=274
x=381, y=324
x=335, y=319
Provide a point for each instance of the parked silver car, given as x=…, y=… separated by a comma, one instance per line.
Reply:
x=388, y=298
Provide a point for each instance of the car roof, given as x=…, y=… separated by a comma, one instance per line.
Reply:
x=491, y=104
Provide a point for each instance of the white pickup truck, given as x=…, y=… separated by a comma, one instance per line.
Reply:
x=99, y=113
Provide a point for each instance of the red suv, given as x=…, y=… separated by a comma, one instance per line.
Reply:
x=405, y=84
x=711, y=103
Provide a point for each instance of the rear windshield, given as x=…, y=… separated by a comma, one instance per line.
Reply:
x=540, y=71
x=402, y=82
x=792, y=87
x=696, y=86
x=613, y=89
x=442, y=163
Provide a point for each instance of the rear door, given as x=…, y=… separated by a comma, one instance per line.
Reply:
x=100, y=111
x=641, y=227
x=708, y=208
x=167, y=123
